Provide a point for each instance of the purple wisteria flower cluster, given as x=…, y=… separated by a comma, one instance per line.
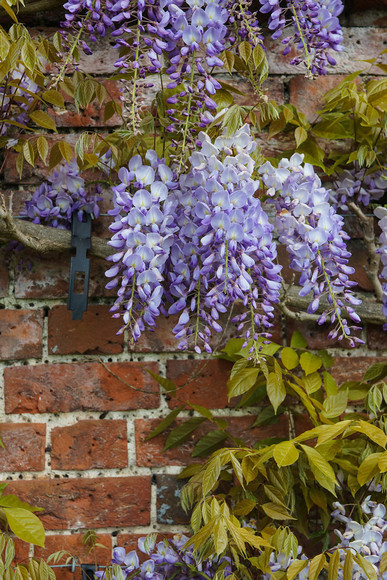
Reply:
x=358, y=186
x=167, y=559
x=313, y=234
x=194, y=246
x=55, y=201
x=143, y=234
x=311, y=25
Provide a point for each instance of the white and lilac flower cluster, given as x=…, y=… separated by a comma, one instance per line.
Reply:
x=313, y=234
x=195, y=246
x=143, y=234
x=368, y=539
x=315, y=29
x=55, y=201
x=168, y=559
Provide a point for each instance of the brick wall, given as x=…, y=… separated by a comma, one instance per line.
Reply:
x=77, y=402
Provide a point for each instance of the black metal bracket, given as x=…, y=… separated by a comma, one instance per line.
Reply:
x=88, y=571
x=80, y=265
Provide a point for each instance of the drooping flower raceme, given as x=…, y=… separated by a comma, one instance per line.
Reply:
x=313, y=234
x=167, y=559
x=356, y=185
x=55, y=201
x=143, y=233
x=224, y=250
x=315, y=29
x=196, y=246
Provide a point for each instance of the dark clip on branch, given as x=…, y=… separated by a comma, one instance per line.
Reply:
x=80, y=265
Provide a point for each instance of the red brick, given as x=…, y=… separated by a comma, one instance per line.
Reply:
x=352, y=368
x=74, y=546
x=63, y=388
x=205, y=382
x=150, y=453
x=22, y=551
x=376, y=337
x=95, y=333
x=84, y=445
x=93, y=115
x=24, y=446
x=88, y=503
x=21, y=334
x=44, y=277
x=307, y=94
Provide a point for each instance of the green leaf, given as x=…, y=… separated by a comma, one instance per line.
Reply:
x=42, y=146
x=267, y=417
x=382, y=463
x=211, y=474
x=335, y=405
x=321, y=469
x=28, y=55
x=310, y=362
x=330, y=384
x=167, y=385
x=373, y=432
x=242, y=381
x=295, y=568
x=285, y=453
x=276, y=512
x=316, y=565
x=54, y=98
x=164, y=424
x=329, y=432
x=289, y=358
x=228, y=59
x=312, y=382
x=297, y=340
x=300, y=135
x=275, y=390
x=232, y=120
x=369, y=569
x=245, y=50
x=244, y=507
x=368, y=468
x=182, y=432
x=11, y=500
x=42, y=119
x=66, y=150
x=25, y=525
x=376, y=372
x=209, y=443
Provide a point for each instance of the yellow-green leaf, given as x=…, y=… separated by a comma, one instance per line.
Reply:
x=54, y=98
x=329, y=432
x=300, y=135
x=295, y=568
x=333, y=566
x=285, y=453
x=369, y=468
x=310, y=362
x=321, y=469
x=42, y=119
x=42, y=146
x=335, y=405
x=25, y=525
x=276, y=512
x=316, y=565
x=373, y=432
x=275, y=390
x=289, y=358
x=382, y=463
